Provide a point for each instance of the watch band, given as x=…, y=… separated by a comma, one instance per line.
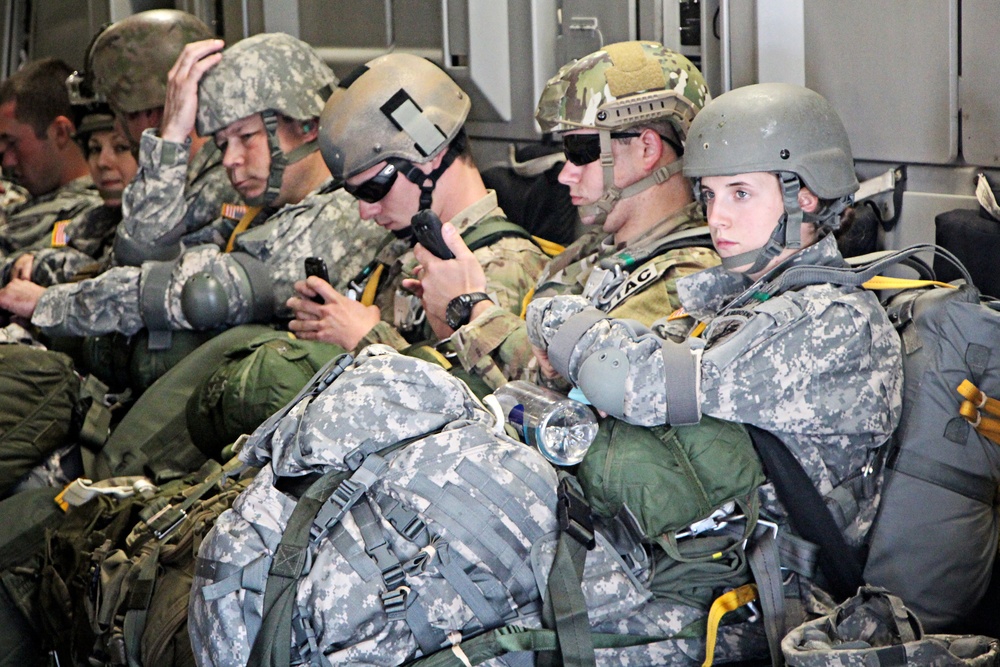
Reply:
x=459, y=310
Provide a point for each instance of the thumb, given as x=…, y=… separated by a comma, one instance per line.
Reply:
x=454, y=241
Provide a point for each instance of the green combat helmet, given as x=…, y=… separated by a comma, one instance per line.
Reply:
x=269, y=74
x=400, y=108
x=624, y=85
x=781, y=128
x=130, y=59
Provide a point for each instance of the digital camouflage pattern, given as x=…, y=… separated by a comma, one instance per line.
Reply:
x=324, y=224
x=129, y=61
x=874, y=627
x=173, y=195
x=354, y=121
x=586, y=92
x=34, y=220
x=820, y=367
x=85, y=246
x=11, y=194
x=488, y=504
x=495, y=346
x=266, y=71
x=511, y=266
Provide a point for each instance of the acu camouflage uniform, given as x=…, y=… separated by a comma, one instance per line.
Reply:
x=323, y=224
x=495, y=346
x=510, y=264
x=820, y=367
x=11, y=194
x=172, y=197
x=35, y=219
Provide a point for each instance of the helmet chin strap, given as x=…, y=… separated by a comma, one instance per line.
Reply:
x=279, y=160
x=787, y=233
x=612, y=194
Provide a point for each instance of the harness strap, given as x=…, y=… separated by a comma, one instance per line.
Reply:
x=766, y=568
x=722, y=605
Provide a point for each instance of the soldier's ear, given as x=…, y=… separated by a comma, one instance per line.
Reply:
x=808, y=202
x=61, y=130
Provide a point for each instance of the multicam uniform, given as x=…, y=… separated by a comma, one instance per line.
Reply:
x=35, y=219
x=323, y=224
x=510, y=264
x=495, y=346
x=172, y=195
x=820, y=367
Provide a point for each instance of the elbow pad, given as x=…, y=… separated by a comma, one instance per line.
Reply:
x=130, y=253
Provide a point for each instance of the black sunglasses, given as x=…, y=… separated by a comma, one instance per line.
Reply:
x=376, y=187
x=581, y=149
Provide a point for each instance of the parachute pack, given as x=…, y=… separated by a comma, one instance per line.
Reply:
x=392, y=520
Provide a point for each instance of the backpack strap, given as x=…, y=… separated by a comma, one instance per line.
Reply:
x=488, y=231
x=808, y=513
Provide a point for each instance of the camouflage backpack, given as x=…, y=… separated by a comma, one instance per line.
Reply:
x=391, y=520
x=875, y=628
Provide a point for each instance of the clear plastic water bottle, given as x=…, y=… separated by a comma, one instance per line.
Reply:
x=560, y=428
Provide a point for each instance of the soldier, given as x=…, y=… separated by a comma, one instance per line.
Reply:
x=636, y=199
x=401, y=114
x=36, y=139
x=181, y=186
x=819, y=366
x=265, y=124
x=85, y=241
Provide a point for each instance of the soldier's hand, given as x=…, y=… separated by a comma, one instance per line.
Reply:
x=20, y=297
x=441, y=280
x=338, y=320
x=181, y=107
x=23, y=267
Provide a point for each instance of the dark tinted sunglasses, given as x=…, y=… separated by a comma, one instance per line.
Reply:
x=376, y=187
x=581, y=149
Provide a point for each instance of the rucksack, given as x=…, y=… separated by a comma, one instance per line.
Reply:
x=876, y=628
x=116, y=572
x=39, y=391
x=391, y=520
x=934, y=539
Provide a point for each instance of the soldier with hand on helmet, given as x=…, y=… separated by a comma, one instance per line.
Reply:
x=394, y=131
x=264, y=123
x=623, y=113
x=818, y=365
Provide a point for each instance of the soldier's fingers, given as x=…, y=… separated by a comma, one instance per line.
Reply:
x=192, y=56
x=454, y=241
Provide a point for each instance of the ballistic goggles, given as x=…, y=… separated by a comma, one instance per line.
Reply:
x=582, y=149
x=377, y=187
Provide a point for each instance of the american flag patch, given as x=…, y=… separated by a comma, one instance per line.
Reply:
x=234, y=211
x=59, y=237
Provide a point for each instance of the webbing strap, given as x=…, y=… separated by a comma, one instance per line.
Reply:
x=766, y=568
x=722, y=605
x=137, y=606
x=450, y=565
x=978, y=399
x=565, y=608
x=975, y=487
x=243, y=224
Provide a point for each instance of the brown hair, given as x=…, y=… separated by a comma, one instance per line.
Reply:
x=39, y=91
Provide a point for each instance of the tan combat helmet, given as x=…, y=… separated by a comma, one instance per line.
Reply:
x=130, y=59
x=398, y=107
x=624, y=85
x=784, y=129
x=269, y=74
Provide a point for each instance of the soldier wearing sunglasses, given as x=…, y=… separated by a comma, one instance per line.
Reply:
x=623, y=113
x=394, y=132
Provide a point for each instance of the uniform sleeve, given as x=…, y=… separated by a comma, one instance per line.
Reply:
x=54, y=266
x=92, y=307
x=153, y=205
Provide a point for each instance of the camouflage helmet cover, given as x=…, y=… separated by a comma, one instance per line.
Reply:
x=773, y=127
x=129, y=61
x=268, y=71
x=622, y=85
x=399, y=105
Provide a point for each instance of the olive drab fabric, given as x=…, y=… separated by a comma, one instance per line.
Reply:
x=254, y=381
x=129, y=61
x=39, y=391
x=875, y=628
x=461, y=519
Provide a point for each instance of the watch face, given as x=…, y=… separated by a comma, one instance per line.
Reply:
x=459, y=309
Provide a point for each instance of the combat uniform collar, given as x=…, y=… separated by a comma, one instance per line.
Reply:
x=486, y=207
x=687, y=217
x=705, y=293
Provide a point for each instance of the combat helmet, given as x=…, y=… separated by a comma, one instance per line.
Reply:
x=400, y=108
x=620, y=86
x=269, y=74
x=781, y=128
x=129, y=60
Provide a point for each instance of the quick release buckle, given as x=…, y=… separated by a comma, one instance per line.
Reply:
x=573, y=513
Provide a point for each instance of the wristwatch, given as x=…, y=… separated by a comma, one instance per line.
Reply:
x=460, y=308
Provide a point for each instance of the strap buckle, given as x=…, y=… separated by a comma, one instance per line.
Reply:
x=573, y=513
x=395, y=602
